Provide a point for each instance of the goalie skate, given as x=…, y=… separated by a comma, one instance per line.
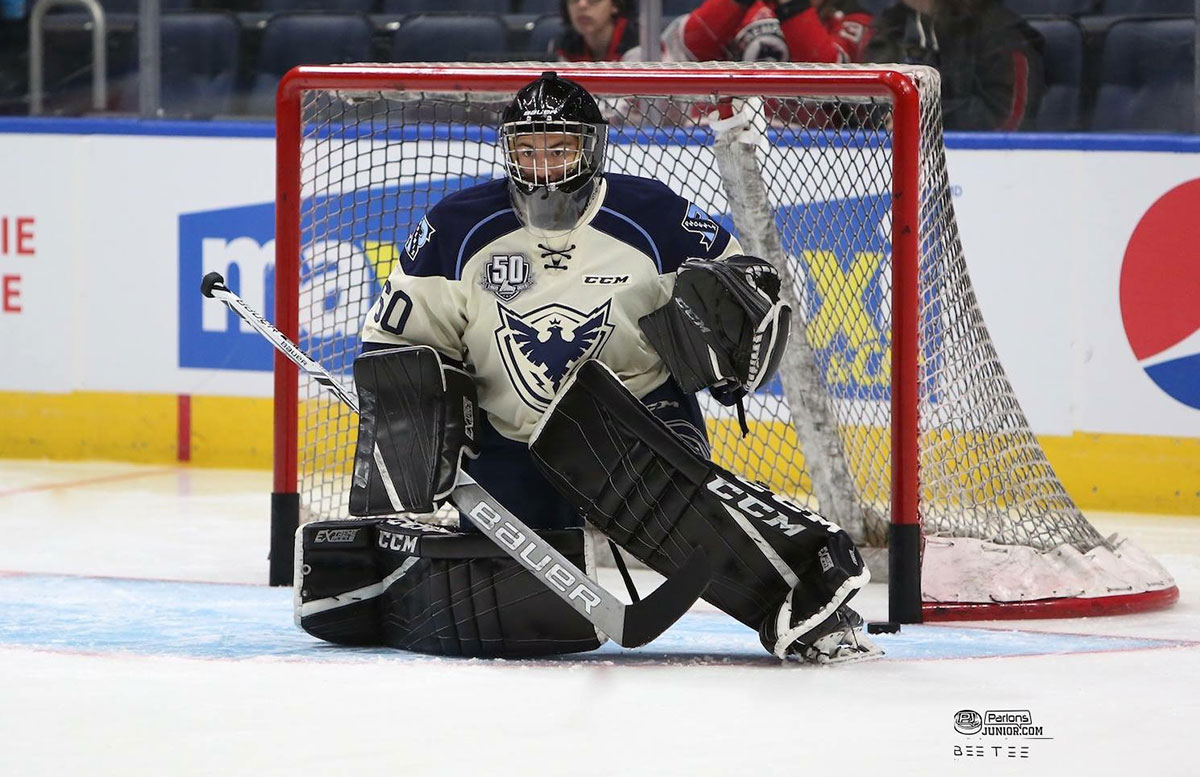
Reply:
x=837, y=639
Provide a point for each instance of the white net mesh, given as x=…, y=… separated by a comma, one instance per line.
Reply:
x=804, y=181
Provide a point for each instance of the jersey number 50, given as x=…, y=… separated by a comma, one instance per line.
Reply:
x=391, y=312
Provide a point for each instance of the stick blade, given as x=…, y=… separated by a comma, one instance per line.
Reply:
x=647, y=619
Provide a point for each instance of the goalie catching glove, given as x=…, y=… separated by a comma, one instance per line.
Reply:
x=724, y=327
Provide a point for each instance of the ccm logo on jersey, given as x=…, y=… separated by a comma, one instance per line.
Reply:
x=336, y=535
x=491, y=522
x=605, y=280
x=747, y=503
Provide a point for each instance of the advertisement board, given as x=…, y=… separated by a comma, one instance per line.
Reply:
x=1085, y=261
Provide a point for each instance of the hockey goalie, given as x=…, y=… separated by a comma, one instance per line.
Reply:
x=545, y=333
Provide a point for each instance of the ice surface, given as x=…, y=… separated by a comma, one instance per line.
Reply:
x=137, y=637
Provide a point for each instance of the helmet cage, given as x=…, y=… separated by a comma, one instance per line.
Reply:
x=569, y=175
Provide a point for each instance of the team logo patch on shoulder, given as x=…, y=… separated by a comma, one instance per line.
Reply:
x=700, y=223
x=541, y=348
x=506, y=275
x=417, y=240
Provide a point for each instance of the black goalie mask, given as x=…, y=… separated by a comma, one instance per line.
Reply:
x=552, y=137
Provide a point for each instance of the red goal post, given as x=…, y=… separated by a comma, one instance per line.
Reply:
x=863, y=133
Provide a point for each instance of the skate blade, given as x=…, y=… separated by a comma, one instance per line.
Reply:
x=841, y=648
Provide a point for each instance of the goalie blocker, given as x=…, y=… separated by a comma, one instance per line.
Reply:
x=779, y=569
x=420, y=413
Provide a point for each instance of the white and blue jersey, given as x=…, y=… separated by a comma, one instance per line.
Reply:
x=522, y=311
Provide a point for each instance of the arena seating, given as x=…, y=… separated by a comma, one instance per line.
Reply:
x=458, y=6
x=450, y=37
x=1111, y=65
x=200, y=64
x=545, y=31
x=290, y=39
x=1051, y=7
x=1146, y=76
x=1061, y=106
x=539, y=7
x=1147, y=7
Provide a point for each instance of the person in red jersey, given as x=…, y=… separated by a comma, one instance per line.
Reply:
x=597, y=31
x=771, y=30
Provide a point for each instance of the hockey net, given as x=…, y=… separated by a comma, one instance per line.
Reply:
x=891, y=414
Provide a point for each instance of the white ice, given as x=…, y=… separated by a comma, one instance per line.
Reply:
x=119, y=656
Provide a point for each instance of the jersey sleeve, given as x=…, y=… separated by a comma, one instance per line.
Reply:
x=423, y=302
x=843, y=38
x=694, y=234
x=708, y=30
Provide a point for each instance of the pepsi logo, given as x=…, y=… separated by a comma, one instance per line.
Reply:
x=1160, y=293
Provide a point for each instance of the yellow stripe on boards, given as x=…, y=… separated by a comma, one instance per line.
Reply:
x=230, y=432
x=1123, y=473
x=1128, y=473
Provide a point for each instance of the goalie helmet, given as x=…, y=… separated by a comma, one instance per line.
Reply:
x=553, y=138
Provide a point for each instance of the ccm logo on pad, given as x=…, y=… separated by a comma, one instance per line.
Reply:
x=749, y=504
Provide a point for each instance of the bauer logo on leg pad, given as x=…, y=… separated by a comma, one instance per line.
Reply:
x=491, y=522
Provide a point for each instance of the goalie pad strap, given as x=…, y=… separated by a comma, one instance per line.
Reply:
x=723, y=327
x=420, y=415
x=425, y=588
x=653, y=496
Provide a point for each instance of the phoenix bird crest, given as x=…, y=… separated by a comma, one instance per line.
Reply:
x=542, y=347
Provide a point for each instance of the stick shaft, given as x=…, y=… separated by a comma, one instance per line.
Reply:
x=284, y=345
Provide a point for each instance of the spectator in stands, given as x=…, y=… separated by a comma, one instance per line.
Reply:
x=990, y=59
x=598, y=31
x=771, y=30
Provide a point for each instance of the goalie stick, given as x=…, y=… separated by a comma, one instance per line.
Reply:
x=629, y=625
